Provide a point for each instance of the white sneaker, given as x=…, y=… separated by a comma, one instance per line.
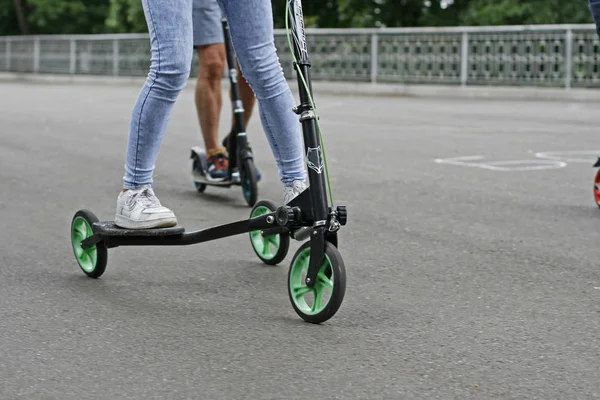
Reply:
x=141, y=209
x=293, y=190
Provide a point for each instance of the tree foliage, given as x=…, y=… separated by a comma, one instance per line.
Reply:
x=121, y=16
x=518, y=12
x=53, y=16
x=9, y=23
x=67, y=16
x=126, y=16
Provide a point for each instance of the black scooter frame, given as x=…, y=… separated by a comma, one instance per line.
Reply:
x=307, y=215
x=241, y=138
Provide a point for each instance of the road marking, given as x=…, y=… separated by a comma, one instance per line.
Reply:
x=503, y=166
x=585, y=156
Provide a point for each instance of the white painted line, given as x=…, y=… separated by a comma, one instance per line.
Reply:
x=586, y=156
x=503, y=166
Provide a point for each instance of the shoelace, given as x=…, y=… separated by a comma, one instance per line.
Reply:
x=146, y=198
x=292, y=191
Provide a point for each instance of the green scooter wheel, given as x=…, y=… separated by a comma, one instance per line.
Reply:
x=270, y=249
x=92, y=260
x=322, y=301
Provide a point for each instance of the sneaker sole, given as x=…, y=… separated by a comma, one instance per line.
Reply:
x=127, y=223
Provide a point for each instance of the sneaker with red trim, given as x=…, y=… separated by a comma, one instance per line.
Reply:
x=226, y=145
x=218, y=165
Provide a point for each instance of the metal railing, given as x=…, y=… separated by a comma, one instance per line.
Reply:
x=537, y=55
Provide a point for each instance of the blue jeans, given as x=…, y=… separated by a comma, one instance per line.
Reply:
x=171, y=35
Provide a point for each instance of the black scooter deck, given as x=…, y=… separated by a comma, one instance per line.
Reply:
x=225, y=183
x=108, y=228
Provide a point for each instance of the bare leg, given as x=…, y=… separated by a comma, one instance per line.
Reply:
x=208, y=92
x=247, y=97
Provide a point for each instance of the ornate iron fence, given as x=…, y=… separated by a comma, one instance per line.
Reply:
x=538, y=55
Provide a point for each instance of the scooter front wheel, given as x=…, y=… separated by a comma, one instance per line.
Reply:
x=249, y=182
x=322, y=301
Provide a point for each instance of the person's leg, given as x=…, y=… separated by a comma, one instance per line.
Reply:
x=247, y=96
x=251, y=23
x=209, y=39
x=170, y=29
x=208, y=92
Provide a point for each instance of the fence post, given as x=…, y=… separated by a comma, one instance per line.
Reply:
x=115, y=57
x=8, y=54
x=374, y=57
x=36, y=55
x=72, y=56
x=568, y=58
x=464, y=59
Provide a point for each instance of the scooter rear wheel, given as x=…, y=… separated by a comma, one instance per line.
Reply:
x=198, y=160
x=270, y=249
x=92, y=260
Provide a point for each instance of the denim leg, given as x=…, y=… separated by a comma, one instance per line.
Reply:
x=251, y=24
x=170, y=28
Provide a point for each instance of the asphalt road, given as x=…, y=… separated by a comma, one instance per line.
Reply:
x=463, y=282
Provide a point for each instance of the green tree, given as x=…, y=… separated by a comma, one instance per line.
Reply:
x=327, y=14
x=9, y=24
x=126, y=16
x=20, y=8
x=67, y=16
x=519, y=12
x=376, y=13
